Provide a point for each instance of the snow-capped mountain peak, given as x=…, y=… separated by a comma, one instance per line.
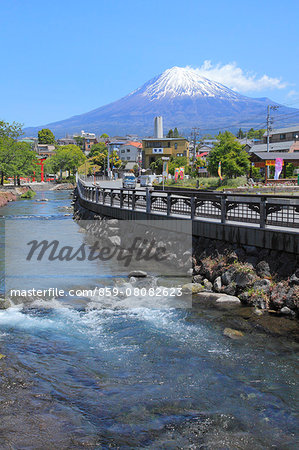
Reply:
x=184, y=81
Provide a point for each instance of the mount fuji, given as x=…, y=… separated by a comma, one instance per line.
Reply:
x=184, y=99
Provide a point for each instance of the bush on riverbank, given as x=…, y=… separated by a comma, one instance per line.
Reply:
x=28, y=194
x=210, y=182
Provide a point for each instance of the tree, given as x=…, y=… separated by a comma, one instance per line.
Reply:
x=170, y=134
x=157, y=166
x=179, y=161
x=234, y=160
x=104, y=136
x=24, y=162
x=8, y=135
x=97, y=148
x=176, y=133
x=67, y=158
x=99, y=155
x=45, y=136
x=255, y=134
x=240, y=134
x=10, y=130
x=79, y=141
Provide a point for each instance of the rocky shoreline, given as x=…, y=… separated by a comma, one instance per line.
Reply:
x=264, y=279
x=11, y=195
x=260, y=278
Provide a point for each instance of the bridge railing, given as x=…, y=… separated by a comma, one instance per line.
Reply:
x=261, y=210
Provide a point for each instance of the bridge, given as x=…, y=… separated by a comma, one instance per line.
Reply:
x=265, y=221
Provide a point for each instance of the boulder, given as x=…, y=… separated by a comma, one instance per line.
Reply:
x=230, y=289
x=192, y=288
x=263, y=269
x=243, y=279
x=228, y=276
x=197, y=278
x=114, y=240
x=207, y=285
x=228, y=299
x=287, y=311
x=233, y=334
x=294, y=280
x=262, y=285
x=217, y=284
x=137, y=274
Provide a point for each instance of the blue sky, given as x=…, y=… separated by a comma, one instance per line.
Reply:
x=67, y=57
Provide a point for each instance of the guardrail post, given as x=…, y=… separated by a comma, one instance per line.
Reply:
x=121, y=198
x=111, y=197
x=133, y=200
x=148, y=201
x=192, y=204
x=168, y=203
x=97, y=195
x=223, y=208
x=263, y=216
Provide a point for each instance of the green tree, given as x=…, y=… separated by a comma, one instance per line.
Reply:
x=97, y=148
x=9, y=132
x=104, y=136
x=45, y=136
x=240, y=134
x=290, y=170
x=255, y=134
x=170, y=134
x=24, y=162
x=157, y=166
x=179, y=161
x=176, y=133
x=79, y=141
x=67, y=158
x=234, y=160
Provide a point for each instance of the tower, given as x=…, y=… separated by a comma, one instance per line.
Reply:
x=158, y=128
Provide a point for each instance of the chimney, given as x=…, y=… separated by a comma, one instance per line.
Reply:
x=158, y=129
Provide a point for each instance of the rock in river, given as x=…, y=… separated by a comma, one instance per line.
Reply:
x=233, y=334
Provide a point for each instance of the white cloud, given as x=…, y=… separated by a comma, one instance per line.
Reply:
x=292, y=94
x=235, y=78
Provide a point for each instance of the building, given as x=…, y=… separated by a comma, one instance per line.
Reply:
x=283, y=134
x=45, y=150
x=158, y=146
x=130, y=151
x=153, y=148
x=66, y=141
x=32, y=141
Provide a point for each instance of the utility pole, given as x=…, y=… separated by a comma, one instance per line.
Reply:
x=194, y=134
x=269, y=123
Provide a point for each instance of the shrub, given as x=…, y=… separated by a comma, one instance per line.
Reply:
x=28, y=194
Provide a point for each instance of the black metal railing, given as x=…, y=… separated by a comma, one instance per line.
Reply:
x=262, y=210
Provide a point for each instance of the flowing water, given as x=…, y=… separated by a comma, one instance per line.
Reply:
x=79, y=376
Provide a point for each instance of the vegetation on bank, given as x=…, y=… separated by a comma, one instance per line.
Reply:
x=16, y=158
x=28, y=194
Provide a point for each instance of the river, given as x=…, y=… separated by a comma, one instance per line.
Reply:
x=76, y=376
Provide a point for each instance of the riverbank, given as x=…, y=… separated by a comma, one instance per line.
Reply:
x=11, y=194
x=264, y=279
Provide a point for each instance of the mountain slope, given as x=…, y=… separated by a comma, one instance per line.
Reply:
x=183, y=98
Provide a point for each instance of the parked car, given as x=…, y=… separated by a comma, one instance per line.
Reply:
x=129, y=181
